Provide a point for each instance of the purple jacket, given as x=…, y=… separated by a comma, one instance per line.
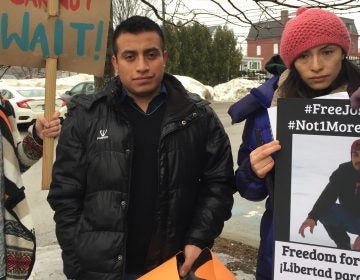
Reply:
x=253, y=109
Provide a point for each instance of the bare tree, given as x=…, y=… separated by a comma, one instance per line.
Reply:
x=122, y=9
x=244, y=13
x=3, y=69
x=179, y=14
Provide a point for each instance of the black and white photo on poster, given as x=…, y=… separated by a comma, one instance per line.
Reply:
x=319, y=146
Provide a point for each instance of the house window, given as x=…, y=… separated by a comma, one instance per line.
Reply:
x=349, y=27
x=258, y=50
x=276, y=48
x=254, y=65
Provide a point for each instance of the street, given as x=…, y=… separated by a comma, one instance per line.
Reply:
x=246, y=215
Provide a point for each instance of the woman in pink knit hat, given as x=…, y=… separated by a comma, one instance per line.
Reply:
x=314, y=48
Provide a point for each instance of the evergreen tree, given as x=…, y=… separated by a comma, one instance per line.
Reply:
x=226, y=57
x=200, y=54
x=185, y=51
x=172, y=46
x=194, y=53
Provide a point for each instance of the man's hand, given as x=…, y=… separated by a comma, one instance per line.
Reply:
x=356, y=245
x=308, y=223
x=261, y=160
x=46, y=128
x=191, y=252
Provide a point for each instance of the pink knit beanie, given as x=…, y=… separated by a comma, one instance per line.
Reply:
x=311, y=28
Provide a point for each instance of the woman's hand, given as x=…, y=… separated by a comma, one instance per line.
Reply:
x=261, y=160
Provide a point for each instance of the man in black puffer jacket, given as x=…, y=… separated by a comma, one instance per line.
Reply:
x=143, y=169
x=343, y=216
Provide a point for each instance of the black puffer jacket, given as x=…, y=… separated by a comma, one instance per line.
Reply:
x=342, y=187
x=90, y=184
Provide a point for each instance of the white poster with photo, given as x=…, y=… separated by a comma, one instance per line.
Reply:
x=317, y=190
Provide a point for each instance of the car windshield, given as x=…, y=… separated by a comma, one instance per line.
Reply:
x=38, y=92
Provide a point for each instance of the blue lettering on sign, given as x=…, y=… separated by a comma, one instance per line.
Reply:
x=98, y=39
x=23, y=41
x=81, y=27
x=59, y=37
x=40, y=38
x=29, y=42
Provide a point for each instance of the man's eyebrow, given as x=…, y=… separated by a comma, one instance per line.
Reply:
x=145, y=51
x=152, y=49
x=128, y=51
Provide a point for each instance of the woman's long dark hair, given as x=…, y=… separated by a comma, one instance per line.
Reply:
x=294, y=86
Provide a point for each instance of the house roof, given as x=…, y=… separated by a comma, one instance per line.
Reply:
x=274, y=28
x=265, y=30
x=350, y=26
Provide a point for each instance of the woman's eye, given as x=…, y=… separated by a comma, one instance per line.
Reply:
x=328, y=52
x=303, y=56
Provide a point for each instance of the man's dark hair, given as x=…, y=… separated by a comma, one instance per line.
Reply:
x=136, y=25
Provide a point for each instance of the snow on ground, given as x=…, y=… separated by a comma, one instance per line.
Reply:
x=194, y=86
x=230, y=91
x=233, y=90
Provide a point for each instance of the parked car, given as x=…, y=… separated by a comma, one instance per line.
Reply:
x=29, y=102
x=80, y=88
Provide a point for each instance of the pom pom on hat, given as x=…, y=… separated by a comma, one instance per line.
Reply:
x=311, y=28
x=300, y=10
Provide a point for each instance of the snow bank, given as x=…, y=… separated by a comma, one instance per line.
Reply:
x=194, y=86
x=230, y=91
x=233, y=90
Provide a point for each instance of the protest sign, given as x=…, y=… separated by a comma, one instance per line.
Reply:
x=66, y=35
x=76, y=37
x=316, y=137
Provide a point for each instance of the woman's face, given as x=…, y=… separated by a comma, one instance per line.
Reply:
x=319, y=66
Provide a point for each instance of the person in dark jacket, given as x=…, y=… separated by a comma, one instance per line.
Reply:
x=313, y=47
x=143, y=168
x=340, y=218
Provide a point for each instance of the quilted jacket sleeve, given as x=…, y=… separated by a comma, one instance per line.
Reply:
x=67, y=188
x=248, y=184
x=216, y=199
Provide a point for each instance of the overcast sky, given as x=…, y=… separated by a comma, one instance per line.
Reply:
x=252, y=12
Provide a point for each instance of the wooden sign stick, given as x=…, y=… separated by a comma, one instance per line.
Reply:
x=50, y=96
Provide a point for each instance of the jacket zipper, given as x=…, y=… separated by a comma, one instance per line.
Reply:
x=129, y=152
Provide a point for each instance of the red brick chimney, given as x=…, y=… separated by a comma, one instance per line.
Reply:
x=284, y=16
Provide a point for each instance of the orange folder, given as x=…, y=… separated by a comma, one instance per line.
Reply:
x=206, y=267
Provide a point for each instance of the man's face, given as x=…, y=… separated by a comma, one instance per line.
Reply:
x=140, y=63
x=355, y=158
